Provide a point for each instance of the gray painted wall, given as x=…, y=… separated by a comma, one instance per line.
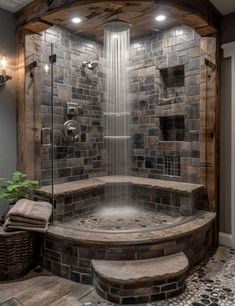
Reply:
x=7, y=96
x=228, y=28
x=227, y=35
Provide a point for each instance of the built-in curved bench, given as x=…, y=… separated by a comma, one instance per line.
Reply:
x=78, y=197
x=85, y=185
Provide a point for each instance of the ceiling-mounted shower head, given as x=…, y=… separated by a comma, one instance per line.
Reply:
x=117, y=25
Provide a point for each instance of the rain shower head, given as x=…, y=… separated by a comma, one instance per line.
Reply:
x=117, y=25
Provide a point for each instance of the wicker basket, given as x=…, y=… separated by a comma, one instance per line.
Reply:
x=17, y=253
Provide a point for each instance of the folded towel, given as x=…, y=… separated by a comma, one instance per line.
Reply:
x=27, y=220
x=30, y=215
x=11, y=226
x=39, y=211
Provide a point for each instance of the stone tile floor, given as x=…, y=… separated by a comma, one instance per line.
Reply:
x=211, y=283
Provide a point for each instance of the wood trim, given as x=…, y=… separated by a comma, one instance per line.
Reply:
x=209, y=119
x=209, y=122
x=28, y=120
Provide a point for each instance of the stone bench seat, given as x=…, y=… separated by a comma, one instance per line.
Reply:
x=79, y=197
x=140, y=281
x=85, y=185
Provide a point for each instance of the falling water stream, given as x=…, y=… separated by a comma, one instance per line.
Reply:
x=117, y=112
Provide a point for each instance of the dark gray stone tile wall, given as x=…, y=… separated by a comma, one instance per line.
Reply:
x=84, y=87
x=165, y=82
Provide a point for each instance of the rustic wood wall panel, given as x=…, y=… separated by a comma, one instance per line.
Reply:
x=209, y=118
x=28, y=106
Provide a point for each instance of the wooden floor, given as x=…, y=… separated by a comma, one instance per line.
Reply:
x=44, y=288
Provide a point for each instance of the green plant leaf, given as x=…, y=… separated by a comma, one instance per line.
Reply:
x=12, y=187
x=17, y=187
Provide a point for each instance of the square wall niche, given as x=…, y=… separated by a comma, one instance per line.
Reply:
x=172, y=78
x=172, y=128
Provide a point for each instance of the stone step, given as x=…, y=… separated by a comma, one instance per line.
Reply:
x=140, y=281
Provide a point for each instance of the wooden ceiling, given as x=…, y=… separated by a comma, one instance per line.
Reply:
x=140, y=14
x=39, y=15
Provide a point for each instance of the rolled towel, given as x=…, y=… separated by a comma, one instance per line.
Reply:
x=29, y=214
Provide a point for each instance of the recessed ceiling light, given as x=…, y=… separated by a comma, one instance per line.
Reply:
x=76, y=20
x=160, y=17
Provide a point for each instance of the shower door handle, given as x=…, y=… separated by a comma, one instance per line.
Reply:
x=46, y=137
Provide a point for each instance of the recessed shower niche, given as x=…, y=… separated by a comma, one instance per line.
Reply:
x=172, y=81
x=172, y=128
x=137, y=176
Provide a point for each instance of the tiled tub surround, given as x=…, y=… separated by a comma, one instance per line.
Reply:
x=80, y=197
x=165, y=84
x=72, y=251
x=68, y=253
x=73, y=83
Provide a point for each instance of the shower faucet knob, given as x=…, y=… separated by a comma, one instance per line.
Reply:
x=71, y=130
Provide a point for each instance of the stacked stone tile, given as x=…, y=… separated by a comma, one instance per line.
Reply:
x=150, y=98
x=72, y=83
x=176, y=49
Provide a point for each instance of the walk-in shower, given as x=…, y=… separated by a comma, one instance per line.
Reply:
x=122, y=110
x=123, y=158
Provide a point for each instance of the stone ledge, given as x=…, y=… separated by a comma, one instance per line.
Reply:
x=85, y=185
x=135, y=271
x=201, y=221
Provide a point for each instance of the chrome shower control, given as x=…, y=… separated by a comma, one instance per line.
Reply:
x=71, y=130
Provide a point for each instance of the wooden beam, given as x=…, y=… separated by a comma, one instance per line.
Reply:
x=209, y=119
x=36, y=26
x=28, y=104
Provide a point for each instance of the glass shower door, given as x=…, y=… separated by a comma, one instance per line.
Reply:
x=46, y=111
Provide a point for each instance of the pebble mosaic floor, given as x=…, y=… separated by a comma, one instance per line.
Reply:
x=127, y=218
x=211, y=283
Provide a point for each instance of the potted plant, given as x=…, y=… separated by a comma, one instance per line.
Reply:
x=14, y=189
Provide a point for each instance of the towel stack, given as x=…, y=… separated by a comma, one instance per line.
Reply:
x=29, y=215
